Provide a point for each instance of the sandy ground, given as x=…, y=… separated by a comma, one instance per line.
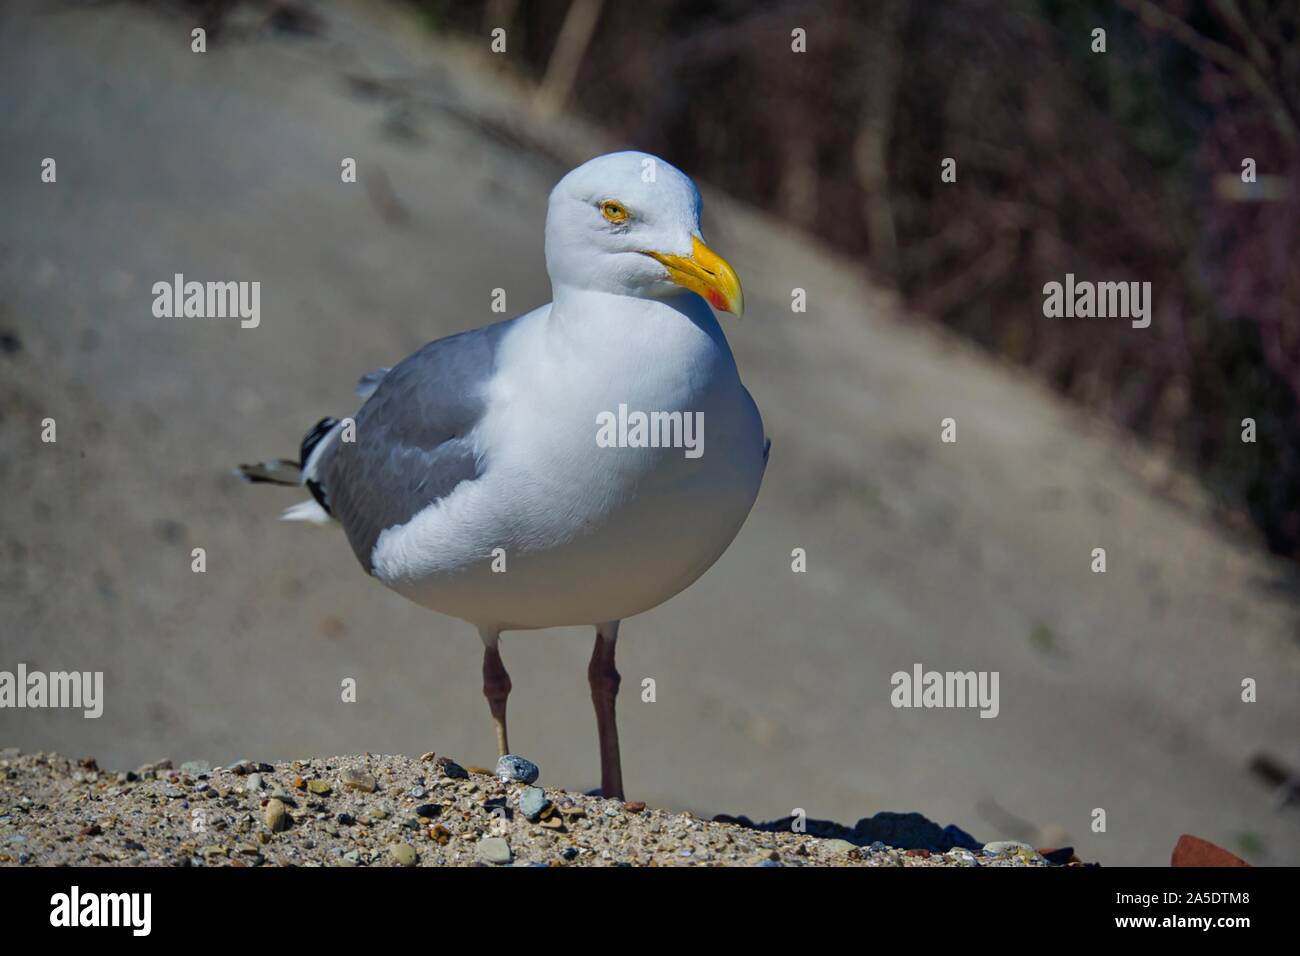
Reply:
x=376, y=810
x=1119, y=691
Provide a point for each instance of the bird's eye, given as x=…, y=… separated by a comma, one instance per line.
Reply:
x=614, y=211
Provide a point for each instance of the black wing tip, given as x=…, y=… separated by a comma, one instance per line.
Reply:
x=313, y=438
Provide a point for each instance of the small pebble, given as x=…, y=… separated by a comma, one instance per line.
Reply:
x=277, y=816
x=404, y=854
x=1060, y=856
x=452, y=769
x=512, y=768
x=493, y=850
x=838, y=846
x=1001, y=847
x=532, y=801
x=358, y=780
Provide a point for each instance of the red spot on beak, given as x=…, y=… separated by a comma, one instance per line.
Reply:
x=717, y=300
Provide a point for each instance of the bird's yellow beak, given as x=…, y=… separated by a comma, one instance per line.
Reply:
x=705, y=273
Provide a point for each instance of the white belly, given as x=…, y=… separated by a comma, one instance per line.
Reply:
x=559, y=531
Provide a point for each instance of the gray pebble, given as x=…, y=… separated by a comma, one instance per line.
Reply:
x=494, y=850
x=512, y=768
x=838, y=846
x=532, y=801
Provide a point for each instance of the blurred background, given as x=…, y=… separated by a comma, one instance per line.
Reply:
x=1122, y=165
x=1120, y=691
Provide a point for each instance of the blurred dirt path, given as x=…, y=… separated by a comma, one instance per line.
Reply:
x=1119, y=691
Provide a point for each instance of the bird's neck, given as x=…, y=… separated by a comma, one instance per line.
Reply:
x=607, y=321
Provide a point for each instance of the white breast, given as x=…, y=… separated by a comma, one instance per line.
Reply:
x=586, y=533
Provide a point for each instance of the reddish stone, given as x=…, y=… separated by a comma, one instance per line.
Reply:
x=1193, y=851
x=923, y=854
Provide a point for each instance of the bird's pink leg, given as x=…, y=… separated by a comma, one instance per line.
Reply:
x=604, y=682
x=496, y=688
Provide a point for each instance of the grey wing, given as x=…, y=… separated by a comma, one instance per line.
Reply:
x=413, y=443
x=370, y=381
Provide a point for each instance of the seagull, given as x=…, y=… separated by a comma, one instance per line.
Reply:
x=573, y=466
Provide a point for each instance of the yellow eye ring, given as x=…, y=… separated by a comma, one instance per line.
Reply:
x=614, y=211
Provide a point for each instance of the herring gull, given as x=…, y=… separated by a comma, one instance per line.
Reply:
x=543, y=471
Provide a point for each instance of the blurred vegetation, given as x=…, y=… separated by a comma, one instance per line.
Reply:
x=1123, y=165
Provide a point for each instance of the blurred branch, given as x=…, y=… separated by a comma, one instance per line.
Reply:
x=566, y=58
x=875, y=131
x=1231, y=61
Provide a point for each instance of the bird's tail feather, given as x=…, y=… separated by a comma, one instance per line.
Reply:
x=279, y=471
x=296, y=474
x=309, y=511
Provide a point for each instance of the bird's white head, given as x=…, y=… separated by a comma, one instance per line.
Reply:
x=629, y=224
